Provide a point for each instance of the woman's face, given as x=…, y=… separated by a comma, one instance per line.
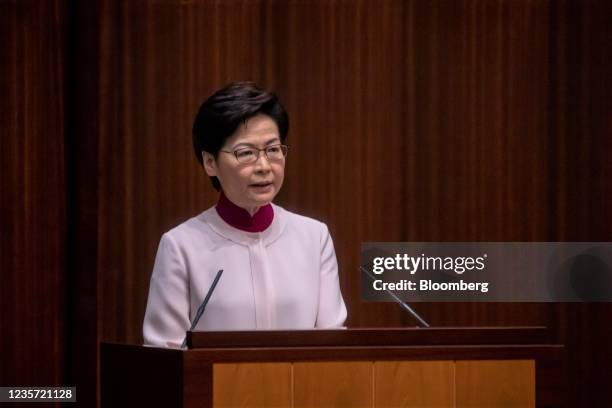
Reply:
x=249, y=185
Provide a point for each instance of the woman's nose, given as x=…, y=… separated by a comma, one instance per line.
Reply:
x=262, y=162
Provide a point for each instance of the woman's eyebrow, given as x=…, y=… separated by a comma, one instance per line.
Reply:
x=274, y=140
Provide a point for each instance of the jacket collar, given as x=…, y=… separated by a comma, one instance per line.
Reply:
x=239, y=218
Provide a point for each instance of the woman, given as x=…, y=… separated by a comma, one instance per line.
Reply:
x=279, y=268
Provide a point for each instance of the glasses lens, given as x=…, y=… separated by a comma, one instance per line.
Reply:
x=276, y=152
x=249, y=155
x=246, y=155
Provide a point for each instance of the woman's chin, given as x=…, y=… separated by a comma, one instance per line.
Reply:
x=262, y=199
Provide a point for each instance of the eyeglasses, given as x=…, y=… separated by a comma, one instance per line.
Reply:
x=249, y=155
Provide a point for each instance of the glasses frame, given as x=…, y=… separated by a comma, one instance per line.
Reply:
x=284, y=149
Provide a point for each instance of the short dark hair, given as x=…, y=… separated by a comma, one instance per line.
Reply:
x=222, y=112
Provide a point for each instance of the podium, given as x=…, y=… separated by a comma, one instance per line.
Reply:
x=400, y=367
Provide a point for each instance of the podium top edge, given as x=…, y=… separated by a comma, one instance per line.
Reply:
x=369, y=336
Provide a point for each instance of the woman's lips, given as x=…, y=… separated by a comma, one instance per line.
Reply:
x=262, y=187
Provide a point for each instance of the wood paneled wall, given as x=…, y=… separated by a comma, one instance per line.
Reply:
x=580, y=190
x=410, y=121
x=32, y=193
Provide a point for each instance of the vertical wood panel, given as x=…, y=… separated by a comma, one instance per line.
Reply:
x=32, y=189
x=346, y=384
x=252, y=385
x=480, y=137
x=581, y=125
x=422, y=384
x=85, y=168
x=495, y=383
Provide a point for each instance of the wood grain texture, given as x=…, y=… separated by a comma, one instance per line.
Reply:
x=185, y=377
x=580, y=128
x=411, y=121
x=550, y=355
x=83, y=191
x=338, y=384
x=421, y=384
x=387, y=337
x=252, y=385
x=495, y=383
x=32, y=193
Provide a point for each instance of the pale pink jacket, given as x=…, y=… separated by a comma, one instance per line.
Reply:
x=285, y=277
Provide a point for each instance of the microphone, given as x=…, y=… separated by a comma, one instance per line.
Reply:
x=200, y=311
x=403, y=304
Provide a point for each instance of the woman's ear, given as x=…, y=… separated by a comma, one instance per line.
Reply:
x=209, y=163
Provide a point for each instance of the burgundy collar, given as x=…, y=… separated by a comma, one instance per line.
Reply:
x=240, y=218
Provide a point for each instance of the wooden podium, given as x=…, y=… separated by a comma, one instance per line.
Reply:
x=404, y=367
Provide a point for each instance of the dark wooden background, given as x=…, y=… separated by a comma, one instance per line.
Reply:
x=411, y=121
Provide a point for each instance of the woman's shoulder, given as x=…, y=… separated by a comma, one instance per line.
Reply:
x=193, y=227
x=294, y=220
